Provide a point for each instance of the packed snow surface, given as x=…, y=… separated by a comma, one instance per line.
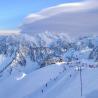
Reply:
x=52, y=81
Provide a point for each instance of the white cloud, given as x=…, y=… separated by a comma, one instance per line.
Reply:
x=71, y=18
x=9, y=32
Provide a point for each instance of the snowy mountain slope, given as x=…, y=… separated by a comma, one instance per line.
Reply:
x=33, y=67
x=25, y=54
x=52, y=81
x=89, y=86
x=58, y=86
x=14, y=52
x=30, y=83
x=53, y=55
x=18, y=51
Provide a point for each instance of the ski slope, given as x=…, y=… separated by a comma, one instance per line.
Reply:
x=53, y=81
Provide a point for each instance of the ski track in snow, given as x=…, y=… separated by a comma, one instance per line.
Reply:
x=57, y=85
x=60, y=86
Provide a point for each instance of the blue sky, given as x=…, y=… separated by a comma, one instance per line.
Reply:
x=12, y=12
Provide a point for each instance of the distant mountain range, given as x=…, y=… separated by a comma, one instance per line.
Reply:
x=26, y=53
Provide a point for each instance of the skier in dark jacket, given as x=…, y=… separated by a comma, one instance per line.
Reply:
x=46, y=84
x=42, y=90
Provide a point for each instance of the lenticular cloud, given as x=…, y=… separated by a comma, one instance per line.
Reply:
x=79, y=18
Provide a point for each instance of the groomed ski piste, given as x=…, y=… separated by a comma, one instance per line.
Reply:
x=54, y=81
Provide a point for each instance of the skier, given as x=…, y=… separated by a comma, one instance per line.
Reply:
x=70, y=75
x=46, y=84
x=42, y=90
